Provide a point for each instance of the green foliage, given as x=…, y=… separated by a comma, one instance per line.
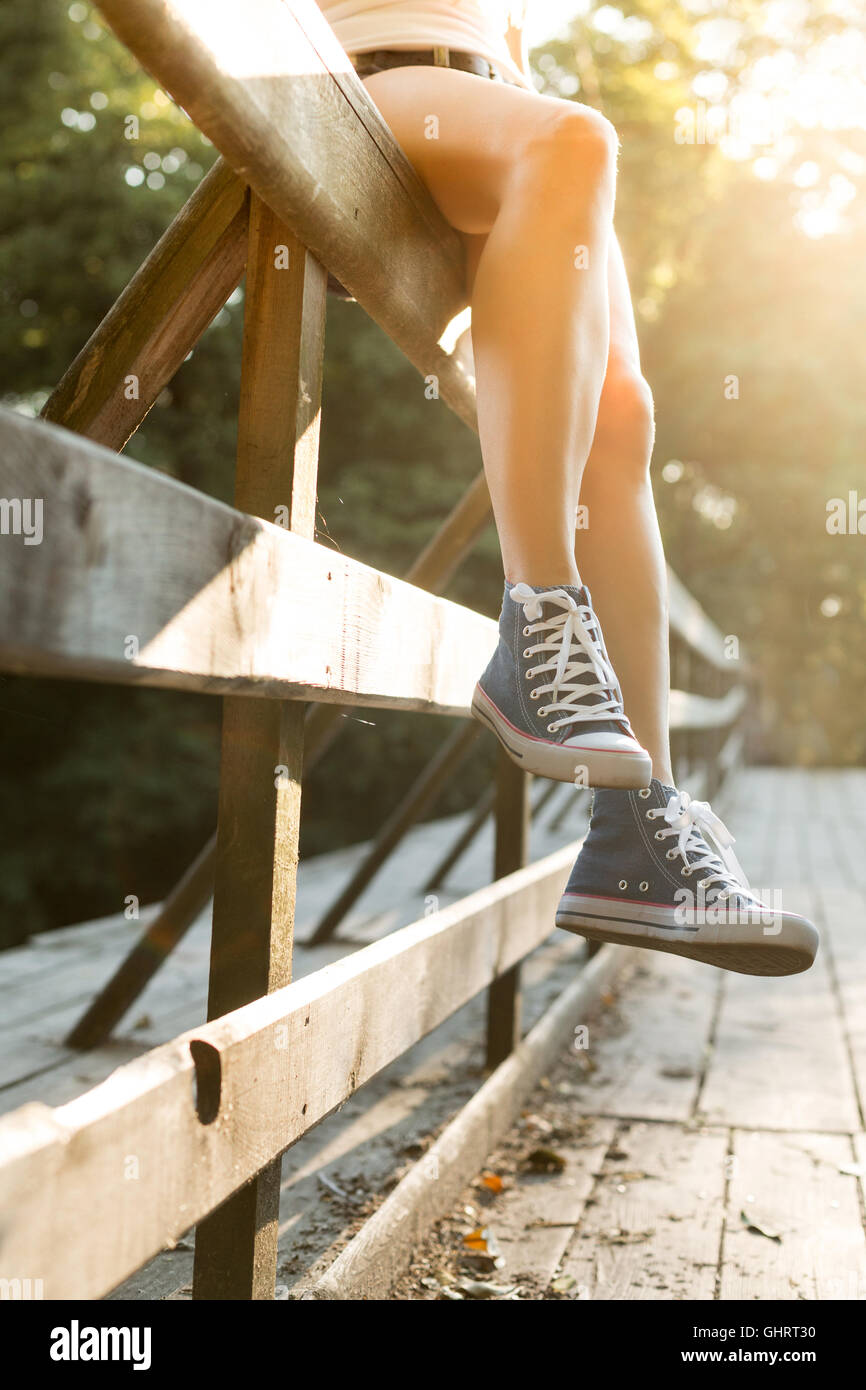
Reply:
x=111, y=792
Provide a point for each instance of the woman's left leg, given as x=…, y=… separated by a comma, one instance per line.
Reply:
x=619, y=553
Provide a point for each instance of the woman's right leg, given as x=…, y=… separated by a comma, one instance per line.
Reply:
x=537, y=176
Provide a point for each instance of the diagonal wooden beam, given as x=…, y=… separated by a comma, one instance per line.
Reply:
x=159, y=317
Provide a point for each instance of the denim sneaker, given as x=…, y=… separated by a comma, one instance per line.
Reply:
x=550, y=694
x=631, y=884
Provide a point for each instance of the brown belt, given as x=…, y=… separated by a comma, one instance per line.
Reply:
x=365, y=64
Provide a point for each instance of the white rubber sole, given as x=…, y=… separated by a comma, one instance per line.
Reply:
x=751, y=944
x=602, y=768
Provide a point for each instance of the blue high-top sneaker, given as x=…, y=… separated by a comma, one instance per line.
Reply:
x=647, y=876
x=551, y=696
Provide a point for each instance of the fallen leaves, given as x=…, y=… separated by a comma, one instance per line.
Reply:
x=543, y=1160
x=477, y=1288
x=483, y=1249
x=492, y=1182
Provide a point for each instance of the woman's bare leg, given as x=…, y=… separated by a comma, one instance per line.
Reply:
x=536, y=177
x=620, y=551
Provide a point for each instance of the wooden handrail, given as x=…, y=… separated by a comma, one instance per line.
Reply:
x=278, y=97
x=143, y=580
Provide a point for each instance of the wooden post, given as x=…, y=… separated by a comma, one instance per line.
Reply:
x=510, y=853
x=262, y=740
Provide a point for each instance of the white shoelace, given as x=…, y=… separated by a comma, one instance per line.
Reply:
x=576, y=650
x=694, y=823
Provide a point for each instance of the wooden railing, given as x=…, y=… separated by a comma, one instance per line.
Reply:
x=139, y=579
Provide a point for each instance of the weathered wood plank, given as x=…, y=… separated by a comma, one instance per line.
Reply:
x=650, y=1066
x=163, y=311
x=843, y=913
x=654, y=1236
x=141, y=579
x=265, y=1075
x=791, y=1186
x=780, y=1060
x=535, y=1220
x=282, y=103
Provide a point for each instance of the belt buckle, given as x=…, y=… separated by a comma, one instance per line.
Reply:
x=441, y=57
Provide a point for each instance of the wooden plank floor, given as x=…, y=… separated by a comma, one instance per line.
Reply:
x=724, y=1136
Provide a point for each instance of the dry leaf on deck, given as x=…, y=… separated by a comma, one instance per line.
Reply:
x=492, y=1182
x=544, y=1161
x=760, y=1228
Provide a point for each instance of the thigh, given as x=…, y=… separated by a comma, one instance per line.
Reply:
x=623, y=353
x=461, y=133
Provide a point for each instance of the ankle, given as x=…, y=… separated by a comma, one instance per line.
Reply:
x=545, y=579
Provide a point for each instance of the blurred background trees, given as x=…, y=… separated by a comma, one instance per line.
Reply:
x=742, y=216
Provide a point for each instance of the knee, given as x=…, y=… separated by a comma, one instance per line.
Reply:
x=570, y=146
x=626, y=422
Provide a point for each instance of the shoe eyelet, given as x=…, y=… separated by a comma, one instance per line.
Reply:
x=551, y=728
x=526, y=632
x=686, y=871
x=659, y=835
x=644, y=886
x=527, y=652
x=671, y=854
x=704, y=883
x=622, y=883
x=644, y=792
x=534, y=694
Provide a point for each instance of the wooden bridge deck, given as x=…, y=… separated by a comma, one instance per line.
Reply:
x=701, y=1096
x=712, y=1133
